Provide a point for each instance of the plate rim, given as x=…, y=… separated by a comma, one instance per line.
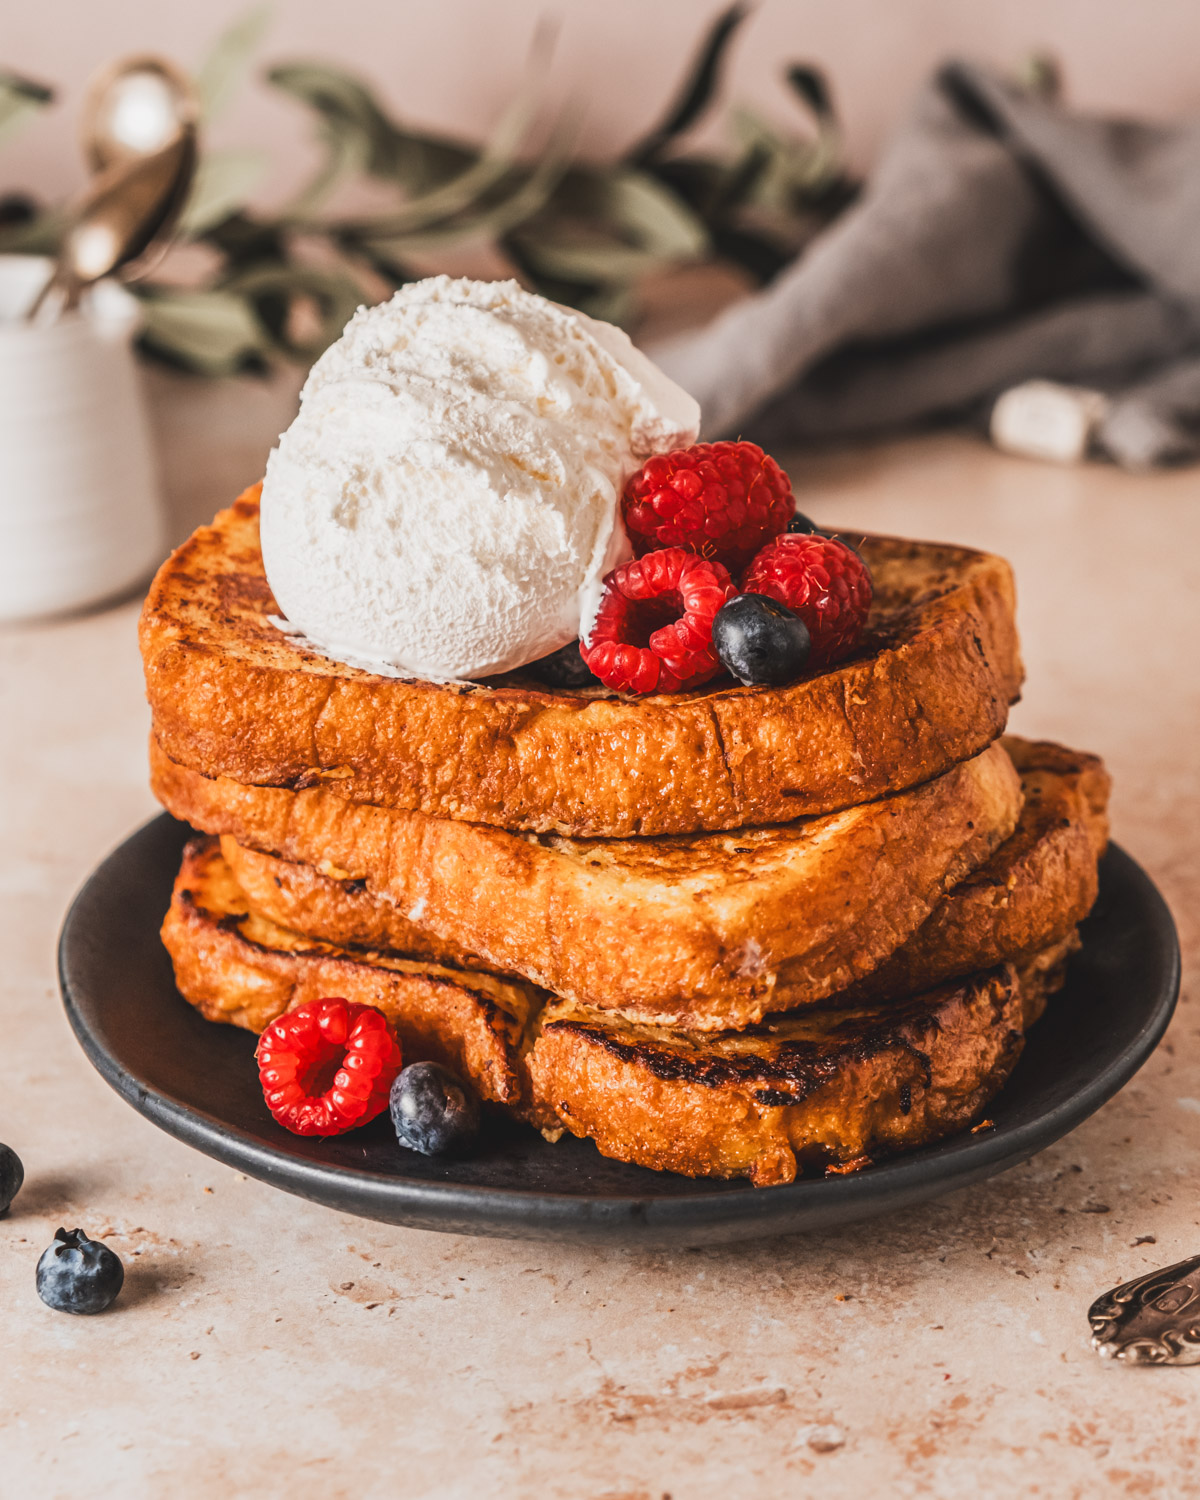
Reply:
x=605, y=1216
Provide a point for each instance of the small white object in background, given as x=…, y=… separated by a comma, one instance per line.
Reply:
x=1042, y=419
x=80, y=515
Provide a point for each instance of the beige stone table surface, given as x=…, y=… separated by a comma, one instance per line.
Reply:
x=268, y=1347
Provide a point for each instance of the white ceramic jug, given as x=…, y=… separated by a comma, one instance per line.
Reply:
x=80, y=516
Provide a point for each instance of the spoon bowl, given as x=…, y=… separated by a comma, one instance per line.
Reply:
x=135, y=109
x=127, y=209
x=140, y=137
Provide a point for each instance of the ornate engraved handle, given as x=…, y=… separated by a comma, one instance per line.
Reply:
x=1152, y=1320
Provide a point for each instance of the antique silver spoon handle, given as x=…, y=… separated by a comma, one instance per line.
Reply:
x=1152, y=1320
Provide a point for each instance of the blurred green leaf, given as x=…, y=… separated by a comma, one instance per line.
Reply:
x=17, y=210
x=611, y=304
x=335, y=296
x=495, y=219
x=697, y=91
x=741, y=181
x=39, y=236
x=586, y=235
x=589, y=263
x=359, y=136
x=420, y=161
x=790, y=169
x=495, y=162
x=213, y=332
x=809, y=82
x=220, y=75
x=20, y=100
x=344, y=156
x=654, y=216
x=638, y=208
x=224, y=180
x=1041, y=74
x=245, y=241
x=605, y=229
x=356, y=133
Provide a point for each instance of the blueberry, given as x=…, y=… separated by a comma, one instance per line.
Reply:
x=760, y=640
x=563, y=668
x=433, y=1111
x=78, y=1275
x=12, y=1175
x=800, y=523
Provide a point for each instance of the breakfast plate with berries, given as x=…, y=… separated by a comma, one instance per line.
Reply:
x=598, y=848
x=201, y=1084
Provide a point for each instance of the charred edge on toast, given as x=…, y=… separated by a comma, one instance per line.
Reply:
x=795, y=1069
x=888, y=1043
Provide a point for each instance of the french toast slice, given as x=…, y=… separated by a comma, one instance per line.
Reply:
x=704, y=931
x=816, y=1087
x=233, y=696
x=1032, y=893
x=1038, y=885
x=235, y=965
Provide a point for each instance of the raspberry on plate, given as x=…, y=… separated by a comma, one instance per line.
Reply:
x=825, y=582
x=722, y=500
x=653, y=632
x=327, y=1066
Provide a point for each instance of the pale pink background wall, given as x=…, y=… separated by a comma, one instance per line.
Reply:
x=451, y=63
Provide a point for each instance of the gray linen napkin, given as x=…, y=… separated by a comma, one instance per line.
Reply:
x=1001, y=238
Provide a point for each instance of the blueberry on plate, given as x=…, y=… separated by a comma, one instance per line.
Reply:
x=760, y=641
x=12, y=1175
x=801, y=524
x=79, y=1275
x=434, y=1112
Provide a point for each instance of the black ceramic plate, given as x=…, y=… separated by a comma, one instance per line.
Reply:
x=198, y=1082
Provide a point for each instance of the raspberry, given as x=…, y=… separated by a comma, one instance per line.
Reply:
x=721, y=500
x=653, y=633
x=327, y=1066
x=824, y=581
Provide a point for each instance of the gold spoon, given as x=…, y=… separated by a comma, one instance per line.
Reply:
x=136, y=108
x=127, y=212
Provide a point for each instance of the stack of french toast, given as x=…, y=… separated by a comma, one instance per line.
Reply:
x=738, y=931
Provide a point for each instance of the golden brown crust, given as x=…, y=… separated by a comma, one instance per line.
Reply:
x=811, y=1089
x=234, y=965
x=342, y=911
x=815, y=1087
x=1063, y=782
x=1034, y=890
x=1030, y=895
x=231, y=696
x=722, y=928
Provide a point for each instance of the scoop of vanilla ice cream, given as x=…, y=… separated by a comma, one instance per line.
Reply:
x=446, y=503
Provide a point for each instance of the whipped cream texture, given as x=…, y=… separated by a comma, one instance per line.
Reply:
x=446, y=503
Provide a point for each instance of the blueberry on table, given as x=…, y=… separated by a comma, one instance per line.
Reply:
x=12, y=1175
x=433, y=1111
x=79, y=1275
x=760, y=641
